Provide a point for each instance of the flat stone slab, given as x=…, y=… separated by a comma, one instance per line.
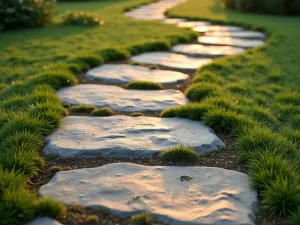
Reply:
x=172, y=61
x=120, y=99
x=238, y=34
x=174, y=20
x=221, y=28
x=44, y=221
x=213, y=196
x=191, y=24
x=228, y=41
x=124, y=73
x=197, y=50
x=126, y=137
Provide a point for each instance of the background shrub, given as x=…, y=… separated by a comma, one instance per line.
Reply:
x=287, y=7
x=82, y=18
x=26, y=13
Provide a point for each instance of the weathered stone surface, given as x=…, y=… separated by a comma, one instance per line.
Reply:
x=124, y=73
x=43, y=221
x=154, y=11
x=205, y=51
x=212, y=196
x=126, y=137
x=237, y=42
x=120, y=99
x=238, y=34
x=173, y=20
x=217, y=28
x=171, y=61
x=191, y=24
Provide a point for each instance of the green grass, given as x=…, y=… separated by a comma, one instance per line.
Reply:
x=83, y=108
x=144, y=85
x=141, y=219
x=255, y=98
x=180, y=154
x=36, y=62
x=102, y=112
x=136, y=114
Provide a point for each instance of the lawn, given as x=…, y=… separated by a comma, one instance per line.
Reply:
x=254, y=97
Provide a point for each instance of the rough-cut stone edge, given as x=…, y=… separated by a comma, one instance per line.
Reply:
x=165, y=218
x=182, y=70
x=115, y=81
x=43, y=221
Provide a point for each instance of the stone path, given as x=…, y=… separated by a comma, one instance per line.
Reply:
x=175, y=195
x=125, y=73
x=127, y=137
x=120, y=99
x=43, y=221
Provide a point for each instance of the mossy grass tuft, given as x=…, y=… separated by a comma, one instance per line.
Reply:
x=47, y=207
x=83, y=109
x=199, y=91
x=102, y=112
x=136, y=114
x=282, y=197
x=144, y=85
x=92, y=219
x=141, y=219
x=180, y=154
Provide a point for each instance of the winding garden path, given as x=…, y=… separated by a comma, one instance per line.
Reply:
x=211, y=195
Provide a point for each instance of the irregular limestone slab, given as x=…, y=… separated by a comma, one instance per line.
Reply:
x=120, y=99
x=171, y=61
x=238, y=34
x=218, y=28
x=191, y=24
x=126, y=137
x=174, y=20
x=213, y=196
x=154, y=11
x=44, y=221
x=195, y=50
x=124, y=73
x=228, y=41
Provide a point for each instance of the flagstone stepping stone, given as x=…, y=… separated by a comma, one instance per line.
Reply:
x=127, y=137
x=43, y=221
x=124, y=73
x=174, y=20
x=221, y=28
x=228, y=41
x=191, y=24
x=174, y=195
x=197, y=50
x=238, y=34
x=120, y=99
x=172, y=61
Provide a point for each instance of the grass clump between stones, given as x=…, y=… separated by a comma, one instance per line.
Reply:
x=136, y=114
x=180, y=154
x=83, y=108
x=141, y=219
x=199, y=91
x=144, y=85
x=102, y=112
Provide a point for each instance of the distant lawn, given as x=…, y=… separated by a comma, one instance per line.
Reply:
x=27, y=51
x=282, y=57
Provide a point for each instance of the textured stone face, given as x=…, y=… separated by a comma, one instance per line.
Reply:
x=195, y=50
x=217, y=28
x=237, y=42
x=238, y=34
x=154, y=11
x=126, y=137
x=173, y=20
x=211, y=196
x=43, y=221
x=191, y=24
x=171, y=61
x=120, y=99
x=124, y=73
